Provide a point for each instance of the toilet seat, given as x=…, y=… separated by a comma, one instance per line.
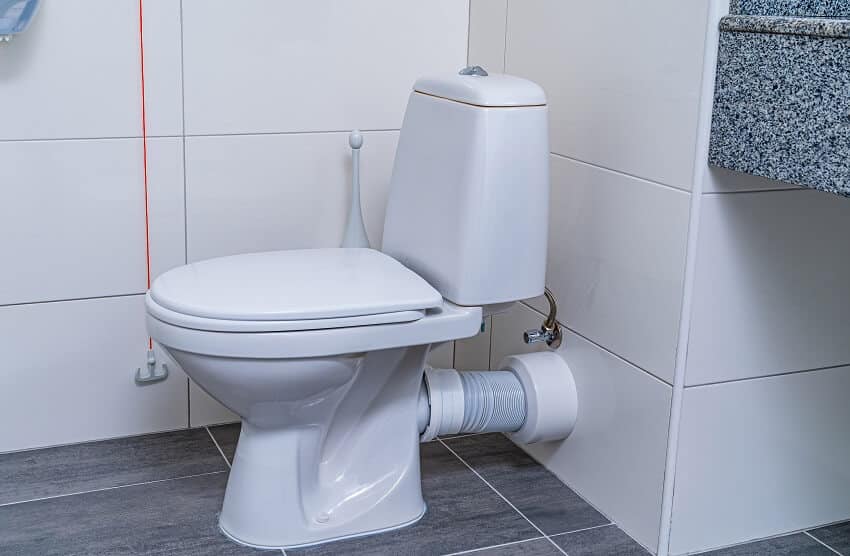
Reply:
x=284, y=291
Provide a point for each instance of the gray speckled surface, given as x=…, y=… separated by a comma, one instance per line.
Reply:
x=802, y=8
x=810, y=26
x=782, y=108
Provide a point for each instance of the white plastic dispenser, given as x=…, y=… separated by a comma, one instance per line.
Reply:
x=15, y=17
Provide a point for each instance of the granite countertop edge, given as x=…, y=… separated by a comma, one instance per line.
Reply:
x=784, y=25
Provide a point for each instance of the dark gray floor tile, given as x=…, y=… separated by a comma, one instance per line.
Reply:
x=177, y=517
x=609, y=540
x=463, y=514
x=792, y=545
x=95, y=465
x=227, y=436
x=536, y=492
x=540, y=547
x=837, y=536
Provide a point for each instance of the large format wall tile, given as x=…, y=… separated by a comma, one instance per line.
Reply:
x=623, y=79
x=67, y=374
x=76, y=74
x=760, y=457
x=770, y=294
x=616, y=261
x=615, y=457
x=76, y=225
x=487, y=21
x=265, y=192
x=312, y=66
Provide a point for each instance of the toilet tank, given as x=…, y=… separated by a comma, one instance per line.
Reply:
x=469, y=197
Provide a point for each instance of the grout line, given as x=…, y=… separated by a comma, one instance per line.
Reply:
x=468, y=29
x=766, y=190
x=183, y=138
x=600, y=346
x=817, y=540
x=112, y=488
x=505, y=42
x=508, y=502
x=185, y=135
x=620, y=172
x=759, y=377
x=220, y=451
x=583, y=529
x=474, y=550
x=94, y=297
x=283, y=551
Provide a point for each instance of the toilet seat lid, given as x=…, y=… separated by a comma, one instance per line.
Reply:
x=302, y=284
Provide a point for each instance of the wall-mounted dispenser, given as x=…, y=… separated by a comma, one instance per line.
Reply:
x=15, y=17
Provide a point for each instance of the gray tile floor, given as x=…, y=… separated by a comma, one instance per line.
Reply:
x=160, y=494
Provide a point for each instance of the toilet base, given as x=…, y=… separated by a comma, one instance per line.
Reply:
x=325, y=541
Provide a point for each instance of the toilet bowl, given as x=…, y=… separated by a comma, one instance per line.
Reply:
x=321, y=352
x=329, y=445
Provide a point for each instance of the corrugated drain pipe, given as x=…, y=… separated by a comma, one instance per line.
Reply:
x=533, y=397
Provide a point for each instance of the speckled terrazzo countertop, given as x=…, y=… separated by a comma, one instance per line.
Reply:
x=839, y=9
x=782, y=96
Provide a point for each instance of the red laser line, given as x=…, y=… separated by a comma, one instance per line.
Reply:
x=145, y=153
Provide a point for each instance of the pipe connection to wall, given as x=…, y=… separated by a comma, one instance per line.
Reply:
x=533, y=398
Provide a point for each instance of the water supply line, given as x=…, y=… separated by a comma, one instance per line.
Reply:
x=550, y=330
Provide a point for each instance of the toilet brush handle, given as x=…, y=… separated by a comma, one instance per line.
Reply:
x=355, y=231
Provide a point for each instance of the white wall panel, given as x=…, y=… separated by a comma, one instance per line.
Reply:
x=623, y=79
x=76, y=225
x=72, y=76
x=67, y=374
x=616, y=261
x=615, y=457
x=487, y=20
x=271, y=66
x=265, y=192
x=761, y=457
x=771, y=285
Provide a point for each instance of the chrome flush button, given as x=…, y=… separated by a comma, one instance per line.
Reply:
x=477, y=71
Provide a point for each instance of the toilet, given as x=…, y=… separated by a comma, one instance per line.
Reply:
x=322, y=352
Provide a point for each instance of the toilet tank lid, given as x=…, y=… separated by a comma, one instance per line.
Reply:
x=493, y=90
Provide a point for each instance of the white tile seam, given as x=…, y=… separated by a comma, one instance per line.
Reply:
x=474, y=550
x=642, y=179
x=505, y=42
x=468, y=28
x=192, y=135
x=766, y=377
x=72, y=299
x=113, y=488
x=817, y=540
x=220, y=451
x=584, y=529
x=603, y=348
x=700, y=157
x=500, y=495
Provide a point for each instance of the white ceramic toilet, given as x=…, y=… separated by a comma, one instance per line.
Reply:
x=322, y=351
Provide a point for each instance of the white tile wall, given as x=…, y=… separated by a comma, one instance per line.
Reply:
x=623, y=79
x=487, y=20
x=265, y=192
x=615, y=455
x=163, y=66
x=760, y=457
x=771, y=285
x=74, y=73
x=473, y=354
x=204, y=410
x=271, y=66
x=616, y=261
x=75, y=224
x=67, y=374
